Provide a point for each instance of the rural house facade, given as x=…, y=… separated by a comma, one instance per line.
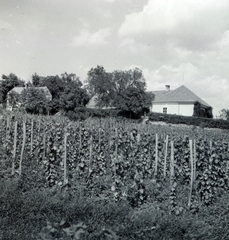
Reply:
x=180, y=101
x=19, y=91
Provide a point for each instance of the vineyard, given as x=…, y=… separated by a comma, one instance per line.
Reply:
x=116, y=160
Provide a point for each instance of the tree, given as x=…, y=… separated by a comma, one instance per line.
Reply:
x=224, y=114
x=34, y=101
x=73, y=96
x=200, y=111
x=124, y=90
x=14, y=99
x=99, y=83
x=67, y=92
x=35, y=80
x=7, y=84
x=55, y=85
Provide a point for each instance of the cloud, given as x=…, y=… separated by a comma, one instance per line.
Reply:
x=5, y=25
x=85, y=38
x=110, y=1
x=189, y=24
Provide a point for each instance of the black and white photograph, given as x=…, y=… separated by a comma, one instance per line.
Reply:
x=114, y=119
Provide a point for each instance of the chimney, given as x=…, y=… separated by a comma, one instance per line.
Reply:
x=167, y=87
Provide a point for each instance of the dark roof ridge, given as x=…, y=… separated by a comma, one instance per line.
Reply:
x=180, y=94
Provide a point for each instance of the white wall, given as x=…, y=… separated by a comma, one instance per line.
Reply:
x=174, y=108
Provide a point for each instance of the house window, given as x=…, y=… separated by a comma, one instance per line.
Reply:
x=165, y=110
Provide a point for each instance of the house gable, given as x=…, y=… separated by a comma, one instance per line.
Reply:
x=178, y=101
x=178, y=95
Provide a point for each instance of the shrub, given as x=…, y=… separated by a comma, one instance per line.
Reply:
x=196, y=121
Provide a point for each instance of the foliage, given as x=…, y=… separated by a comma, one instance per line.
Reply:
x=14, y=99
x=224, y=114
x=7, y=84
x=68, y=214
x=35, y=80
x=67, y=92
x=116, y=184
x=123, y=90
x=194, y=121
x=200, y=111
x=73, y=96
x=34, y=101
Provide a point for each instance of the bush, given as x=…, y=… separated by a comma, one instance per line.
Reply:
x=195, y=121
x=84, y=113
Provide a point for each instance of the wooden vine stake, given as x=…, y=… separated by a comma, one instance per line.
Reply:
x=99, y=138
x=166, y=153
x=139, y=138
x=44, y=143
x=172, y=164
x=14, y=150
x=7, y=127
x=116, y=150
x=80, y=135
x=156, y=157
x=65, y=158
x=23, y=145
x=90, y=154
x=227, y=167
x=39, y=125
x=192, y=173
x=31, y=138
x=194, y=159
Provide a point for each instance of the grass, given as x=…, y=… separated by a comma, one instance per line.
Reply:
x=32, y=213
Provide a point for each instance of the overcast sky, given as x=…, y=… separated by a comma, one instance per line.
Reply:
x=174, y=42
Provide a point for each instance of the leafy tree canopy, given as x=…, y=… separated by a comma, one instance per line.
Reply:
x=124, y=90
x=8, y=83
x=224, y=114
x=67, y=92
x=34, y=101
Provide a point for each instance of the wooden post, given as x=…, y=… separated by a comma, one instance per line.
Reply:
x=31, y=140
x=90, y=154
x=15, y=147
x=7, y=127
x=194, y=160
x=191, y=182
x=172, y=164
x=23, y=146
x=156, y=157
x=65, y=158
x=166, y=153
x=44, y=143
x=116, y=149
x=80, y=135
x=99, y=138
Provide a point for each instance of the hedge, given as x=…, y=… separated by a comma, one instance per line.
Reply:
x=195, y=121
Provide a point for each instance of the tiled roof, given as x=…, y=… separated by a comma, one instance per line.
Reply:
x=181, y=94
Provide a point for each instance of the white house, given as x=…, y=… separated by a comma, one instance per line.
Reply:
x=179, y=101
